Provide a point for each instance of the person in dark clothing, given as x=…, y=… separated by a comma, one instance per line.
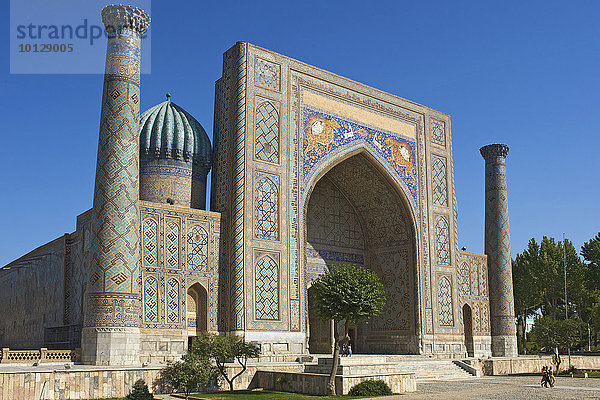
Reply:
x=545, y=378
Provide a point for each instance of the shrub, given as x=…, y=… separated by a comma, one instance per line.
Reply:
x=140, y=391
x=370, y=388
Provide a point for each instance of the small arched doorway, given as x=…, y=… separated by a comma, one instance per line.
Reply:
x=468, y=325
x=196, y=311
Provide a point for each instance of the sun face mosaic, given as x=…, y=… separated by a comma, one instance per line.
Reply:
x=323, y=133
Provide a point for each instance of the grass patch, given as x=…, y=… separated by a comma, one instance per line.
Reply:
x=266, y=395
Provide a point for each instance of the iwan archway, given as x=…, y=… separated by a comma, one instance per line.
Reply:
x=356, y=214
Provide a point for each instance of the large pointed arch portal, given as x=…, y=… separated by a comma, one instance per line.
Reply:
x=356, y=214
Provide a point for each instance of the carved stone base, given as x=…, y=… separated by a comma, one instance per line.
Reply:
x=504, y=346
x=110, y=346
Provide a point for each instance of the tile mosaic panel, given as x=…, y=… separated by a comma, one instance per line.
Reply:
x=172, y=289
x=266, y=207
x=151, y=303
x=267, y=74
x=197, y=248
x=442, y=240
x=438, y=132
x=266, y=289
x=439, y=181
x=324, y=133
x=172, y=236
x=446, y=315
x=150, y=243
x=266, y=131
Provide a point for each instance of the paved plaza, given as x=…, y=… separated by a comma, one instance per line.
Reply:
x=506, y=387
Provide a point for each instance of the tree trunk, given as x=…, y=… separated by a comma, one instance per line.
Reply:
x=336, y=355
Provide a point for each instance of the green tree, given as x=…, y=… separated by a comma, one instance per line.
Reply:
x=552, y=333
x=346, y=293
x=591, y=255
x=539, y=278
x=221, y=349
x=140, y=391
x=188, y=374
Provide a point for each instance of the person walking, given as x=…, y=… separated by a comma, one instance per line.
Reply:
x=551, y=378
x=544, y=382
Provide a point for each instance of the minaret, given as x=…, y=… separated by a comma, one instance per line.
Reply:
x=111, y=333
x=497, y=248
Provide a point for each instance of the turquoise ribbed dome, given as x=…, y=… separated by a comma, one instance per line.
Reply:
x=168, y=131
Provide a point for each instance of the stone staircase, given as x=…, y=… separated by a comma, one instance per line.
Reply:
x=424, y=368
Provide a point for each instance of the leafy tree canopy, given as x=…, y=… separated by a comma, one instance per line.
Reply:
x=189, y=374
x=222, y=349
x=346, y=293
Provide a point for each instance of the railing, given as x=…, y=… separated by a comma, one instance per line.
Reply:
x=43, y=355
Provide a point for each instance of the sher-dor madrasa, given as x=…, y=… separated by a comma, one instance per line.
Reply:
x=309, y=169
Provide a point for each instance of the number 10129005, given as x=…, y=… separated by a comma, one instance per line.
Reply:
x=45, y=48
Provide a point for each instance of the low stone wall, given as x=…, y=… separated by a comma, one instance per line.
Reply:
x=89, y=382
x=527, y=364
x=74, y=384
x=316, y=384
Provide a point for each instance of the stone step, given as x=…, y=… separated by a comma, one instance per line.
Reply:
x=423, y=368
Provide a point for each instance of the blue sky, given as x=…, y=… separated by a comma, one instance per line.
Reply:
x=521, y=73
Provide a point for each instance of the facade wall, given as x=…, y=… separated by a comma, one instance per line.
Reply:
x=31, y=295
x=472, y=272
x=77, y=269
x=289, y=137
x=180, y=249
x=280, y=125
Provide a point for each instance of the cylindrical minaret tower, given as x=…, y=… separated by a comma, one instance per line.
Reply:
x=497, y=248
x=112, y=315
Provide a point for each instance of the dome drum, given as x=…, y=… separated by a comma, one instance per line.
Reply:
x=173, y=181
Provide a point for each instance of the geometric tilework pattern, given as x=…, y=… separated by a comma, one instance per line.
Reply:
x=150, y=244
x=393, y=269
x=438, y=135
x=151, y=300
x=472, y=284
x=497, y=241
x=439, y=183
x=239, y=102
x=172, y=245
x=378, y=205
x=267, y=133
x=464, y=279
x=266, y=289
x=266, y=225
x=446, y=316
x=442, y=241
x=172, y=291
x=332, y=221
x=267, y=74
x=115, y=252
x=197, y=242
x=475, y=270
